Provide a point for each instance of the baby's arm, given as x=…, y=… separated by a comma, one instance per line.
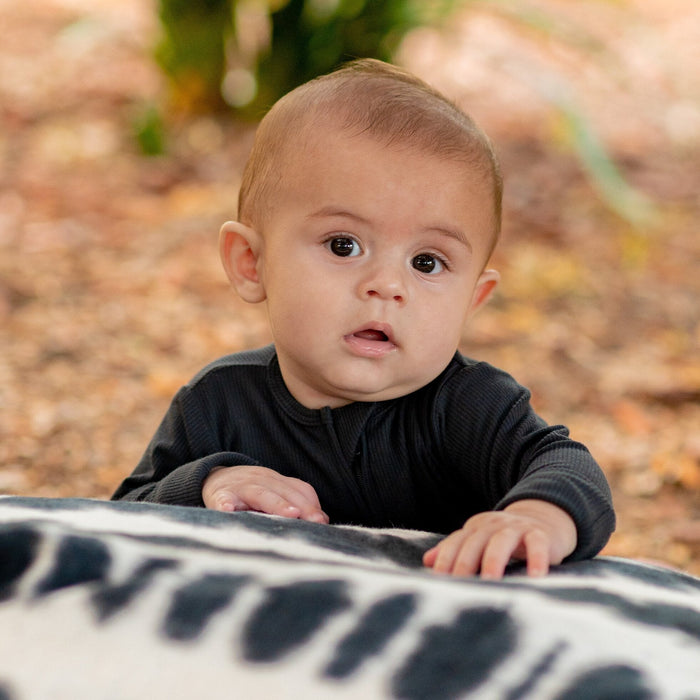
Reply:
x=537, y=532
x=261, y=489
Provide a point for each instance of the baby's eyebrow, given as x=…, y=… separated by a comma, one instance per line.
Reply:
x=333, y=211
x=330, y=211
x=455, y=233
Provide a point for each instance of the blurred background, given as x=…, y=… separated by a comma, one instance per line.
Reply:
x=123, y=130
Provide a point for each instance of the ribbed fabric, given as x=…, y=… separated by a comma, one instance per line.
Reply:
x=467, y=442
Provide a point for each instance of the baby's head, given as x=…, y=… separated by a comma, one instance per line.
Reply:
x=368, y=210
x=370, y=98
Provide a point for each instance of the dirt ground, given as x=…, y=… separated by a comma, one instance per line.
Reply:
x=111, y=293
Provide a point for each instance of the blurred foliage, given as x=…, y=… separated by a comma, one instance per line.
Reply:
x=308, y=38
x=248, y=53
x=626, y=201
x=149, y=131
x=192, y=51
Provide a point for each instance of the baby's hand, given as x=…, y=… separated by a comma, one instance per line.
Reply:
x=537, y=532
x=261, y=489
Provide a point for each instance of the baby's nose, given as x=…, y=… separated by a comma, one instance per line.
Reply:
x=385, y=284
x=384, y=294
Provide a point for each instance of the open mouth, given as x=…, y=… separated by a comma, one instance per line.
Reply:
x=372, y=334
x=374, y=340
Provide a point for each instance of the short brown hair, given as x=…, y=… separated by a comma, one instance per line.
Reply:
x=367, y=97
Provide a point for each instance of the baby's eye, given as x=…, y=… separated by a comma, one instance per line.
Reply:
x=343, y=246
x=427, y=264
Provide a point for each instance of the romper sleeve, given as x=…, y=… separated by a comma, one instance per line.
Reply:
x=185, y=449
x=516, y=455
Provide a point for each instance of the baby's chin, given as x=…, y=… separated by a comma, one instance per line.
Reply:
x=366, y=381
x=385, y=393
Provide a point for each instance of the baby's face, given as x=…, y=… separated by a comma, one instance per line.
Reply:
x=371, y=263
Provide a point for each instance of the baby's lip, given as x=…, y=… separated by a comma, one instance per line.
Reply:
x=373, y=340
x=379, y=332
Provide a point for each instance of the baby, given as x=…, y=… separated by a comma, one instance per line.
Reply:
x=368, y=211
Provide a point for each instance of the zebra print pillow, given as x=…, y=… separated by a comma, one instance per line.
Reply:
x=122, y=600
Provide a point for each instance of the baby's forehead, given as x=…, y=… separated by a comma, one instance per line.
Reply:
x=327, y=139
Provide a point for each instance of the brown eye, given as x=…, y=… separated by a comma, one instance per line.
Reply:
x=343, y=247
x=427, y=264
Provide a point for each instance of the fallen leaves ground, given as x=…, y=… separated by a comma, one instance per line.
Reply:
x=111, y=294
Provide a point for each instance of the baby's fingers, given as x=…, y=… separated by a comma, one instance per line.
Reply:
x=464, y=554
x=251, y=497
x=281, y=500
x=498, y=552
x=268, y=501
x=506, y=544
x=537, y=546
x=257, y=488
x=457, y=554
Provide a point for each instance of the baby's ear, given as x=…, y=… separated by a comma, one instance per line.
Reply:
x=487, y=282
x=239, y=247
